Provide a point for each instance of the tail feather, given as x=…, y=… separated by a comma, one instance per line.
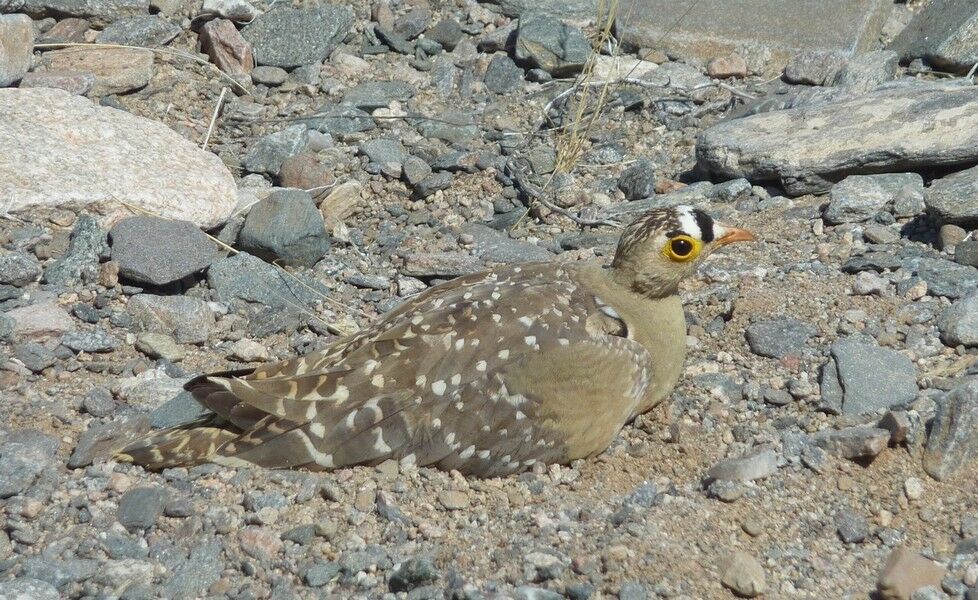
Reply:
x=188, y=444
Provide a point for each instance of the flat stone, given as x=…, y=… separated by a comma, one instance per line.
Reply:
x=943, y=34
x=187, y=319
x=496, y=247
x=291, y=37
x=94, y=340
x=813, y=67
x=503, y=75
x=235, y=10
x=860, y=197
x=954, y=198
x=742, y=573
x=24, y=454
x=160, y=345
x=776, y=29
x=285, y=226
x=160, y=251
x=412, y=23
x=958, y=324
x=140, y=507
x=226, y=47
x=453, y=499
x=70, y=30
x=341, y=203
x=433, y=183
x=638, y=180
x=873, y=378
x=270, y=76
x=578, y=10
x=546, y=43
x=306, y=171
x=440, y=264
x=340, y=120
x=16, y=48
x=726, y=67
x=99, y=12
x=966, y=253
x=116, y=70
x=148, y=31
x=807, y=149
x=757, y=465
x=371, y=95
x=101, y=440
x=905, y=572
x=37, y=321
x=181, y=408
x=34, y=356
x=25, y=588
x=386, y=153
x=851, y=527
x=78, y=84
x=853, y=442
x=447, y=32
x=943, y=277
x=270, y=151
x=55, y=146
x=867, y=71
x=953, y=439
x=778, y=338
x=19, y=269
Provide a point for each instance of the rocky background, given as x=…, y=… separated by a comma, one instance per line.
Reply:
x=190, y=186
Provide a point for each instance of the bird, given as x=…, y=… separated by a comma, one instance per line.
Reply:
x=488, y=374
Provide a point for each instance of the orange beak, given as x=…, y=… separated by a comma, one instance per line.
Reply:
x=733, y=234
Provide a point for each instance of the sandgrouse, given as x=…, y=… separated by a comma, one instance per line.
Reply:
x=487, y=374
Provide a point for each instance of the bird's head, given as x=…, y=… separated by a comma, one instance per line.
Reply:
x=665, y=245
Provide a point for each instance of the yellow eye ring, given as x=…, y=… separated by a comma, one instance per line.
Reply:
x=682, y=248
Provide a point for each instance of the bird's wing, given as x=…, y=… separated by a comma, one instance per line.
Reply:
x=486, y=374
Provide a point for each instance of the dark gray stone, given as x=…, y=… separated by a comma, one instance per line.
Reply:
x=544, y=42
x=19, y=269
x=867, y=71
x=244, y=279
x=778, y=338
x=24, y=455
x=958, y=324
x=852, y=528
x=813, y=67
x=497, y=247
x=953, y=439
x=965, y=253
x=269, y=152
x=270, y=76
x=59, y=573
x=503, y=75
x=830, y=389
x=286, y=226
x=853, y=442
x=140, y=507
x=394, y=41
x=101, y=440
x=943, y=34
x=386, y=153
x=148, y=31
x=638, y=180
x=413, y=573
x=80, y=262
x=187, y=319
x=192, y=577
x=433, y=183
x=859, y=197
x=291, y=37
x=943, y=277
x=454, y=127
x=100, y=12
x=873, y=378
x=412, y=23
x=632, y=590
x=93, y=341
x=321, y=573
x=340, y=120
x=180, y=409
x=25, y=588
x=34, y=356
x=564, y=9
x=99, y=402
x=159, y=251
x=954, y=198
x=447, y=32
x=808, y=149
x=371, y=95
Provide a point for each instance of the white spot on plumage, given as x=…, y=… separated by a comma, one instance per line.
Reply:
x=610, y=312
x=480, y=366
x=466, y=295
x=496, y=318
x=527, y=321
x=436, y=423
x=340, y=394
x=484, y=454
x=417, y=320
x=495, y=296
x=459, y=343
x=467, y=453
x=687, y=222
x=350, y=418
x=530, y=340
x=520, y=415
x=563, y=341
x=450, y=438
x=459, y=406
x=421, y=380
x=317, y=429
x=379, y=444
x=503, y=354
x=311, y=411
x=377, y=380
x=438, y=387
x=456, y=379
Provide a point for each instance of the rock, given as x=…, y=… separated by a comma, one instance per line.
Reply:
x=868, y=283
x=148, y=31
x=813, y=67
x=248, y=351
x=339, y=120
x=544, y=42
x=958, y=324
x=160, y=345
x=497, y=247
x=19, y=269
x=867, y=71
x=943, y=34
x=872, y=378
x=285, y=226
x=291, y=37
x=433, y=183
x=950, y=235
x=226, y=47
x=897, y=423
x=905, y=572
x=454, y=127
x=187, y=319
x=116, y=70
x=726, y=67
x=859, y=197
x=412, y=23
x=25, y=588
x=769, y=28
x=953, y=439
x=638, y=180
x=259, y=543
x=306, y=171
x=24, y=454
x=55, y=143
x=778, y=338
x=341, y=202
x=411, y=574
x=77, y=84
x=39, y=321
x=851, y=527
x=235, y=10
x=272, y=77
x=371, y=95
x=34, y=356
x=100, y=12
x=943, y=277
x=853, y=442
x=160, y=251
x=181, y=408
x=321, y=573
x=742, y=573
x=440, y=264
x=453, y=499
x=70, y=30
x=140, y=507
x=503, y=75
x=80, y=262
x=95, y=340
x=102, y=440
x=757, y=465
x=446, y=32
x=388, y=154
x=966, y=253
x=270, y=151
x=16, y=48
x=98, y=402
x=807, y=149
x=954, y=198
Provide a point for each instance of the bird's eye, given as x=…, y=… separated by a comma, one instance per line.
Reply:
x=682, y=248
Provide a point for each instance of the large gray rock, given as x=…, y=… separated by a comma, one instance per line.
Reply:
x=943, y=277
x=99, y=12
x=954, y=199
x=187, y=319
x=549, y=44
x=778, y=338
x=807, y=149
x=959, y=323
x=859, y=197
x=496, y=247
x=578, y=10
x=18, y=269
x=243, y=279
x=81, y=262
x=291, y=37
x=24, y=454
x=269, y=153
x=146, y=30
x=944, y=33
x=774, y=29
x=16, y=47
x=872, y=378
x=56, y=147
x=115, y=70
x=160, y=251
x=953, y=440
x=286, y=226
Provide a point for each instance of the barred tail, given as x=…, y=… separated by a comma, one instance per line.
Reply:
x=184, y=445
